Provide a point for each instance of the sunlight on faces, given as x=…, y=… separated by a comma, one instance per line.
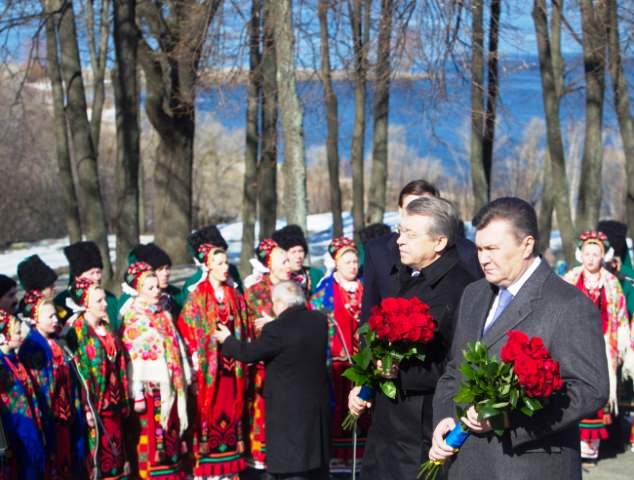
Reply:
x=218, y=265
x=280, y=266
x=150, y=293
x=502, y=256
x=9, y=301
x=347, y=265
x=46, y=322
x=591, y=257
x=296, y=257
x=163, y=275
x=417, y=247
x=94, y=275
x=97, y=306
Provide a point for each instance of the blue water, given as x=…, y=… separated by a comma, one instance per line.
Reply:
x=436, y=128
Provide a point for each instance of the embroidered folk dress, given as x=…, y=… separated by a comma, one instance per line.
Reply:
x=342, y=305
x=22, y=422
x=101, y=364
x=60, y=400
x=607, y=295
x=158, y=377
x=258, y=300
x=218, y=446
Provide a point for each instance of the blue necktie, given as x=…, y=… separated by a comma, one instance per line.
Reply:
x=504, y=299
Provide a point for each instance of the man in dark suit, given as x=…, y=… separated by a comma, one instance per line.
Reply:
x=293, y=348
x=520, y=292
x=429, y=269
x=382, y=254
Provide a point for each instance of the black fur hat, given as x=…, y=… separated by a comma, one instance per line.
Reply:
x=82, y=256
x=6, y=284
x=34, y=274
x=290, y=236
x=208, y=234
x=374, y=230
x=151, y=254
x=617, y=234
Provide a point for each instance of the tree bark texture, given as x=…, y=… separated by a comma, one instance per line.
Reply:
x=93, y=218
x=267, y=168
x=378, y=182
x=621, y=105
x=292, y=116
x=250, y=188
x=592, y=18
x=478, y=174
x=124, y=82
x=332, y=142
x=488, y=140
x=551, y=88
x=62, y=147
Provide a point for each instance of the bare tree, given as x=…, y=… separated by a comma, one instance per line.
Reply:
x=249, y=196
x=550, y=66
x=621, y=104
x=593, y=27
x=171, y=41
x=292, y=116
x=332, y=142
x=124, y=81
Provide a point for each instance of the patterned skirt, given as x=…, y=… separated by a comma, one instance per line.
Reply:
x=255, y=418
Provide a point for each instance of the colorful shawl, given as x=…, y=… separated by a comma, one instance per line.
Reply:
x=155, y=357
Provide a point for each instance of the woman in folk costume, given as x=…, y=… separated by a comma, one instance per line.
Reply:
x=19, y=411
x=218, y=447
x=604, y=290
x=157, y=376
x=273, y=266
x=101, y=364
x=339, y=296
x=58, y=391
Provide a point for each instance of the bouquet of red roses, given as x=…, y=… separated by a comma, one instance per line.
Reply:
x=523, y=381
x=396, y=330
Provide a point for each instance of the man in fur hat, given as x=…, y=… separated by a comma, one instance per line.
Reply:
x=34, y=274
x=291, y=238
x=8, y=294
x=84, y=260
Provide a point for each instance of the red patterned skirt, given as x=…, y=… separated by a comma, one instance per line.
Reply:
x=111, y=454
x=255, y=418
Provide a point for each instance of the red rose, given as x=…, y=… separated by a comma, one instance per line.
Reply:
x=514, y=346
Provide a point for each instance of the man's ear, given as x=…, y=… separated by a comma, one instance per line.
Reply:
x=529, y=247
x=441, y=244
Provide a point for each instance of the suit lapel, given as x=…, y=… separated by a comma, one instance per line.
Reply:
x=481, y=309
x=520, y=308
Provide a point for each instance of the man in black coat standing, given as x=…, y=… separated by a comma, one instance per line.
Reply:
x=293, y=348
x=429, y=269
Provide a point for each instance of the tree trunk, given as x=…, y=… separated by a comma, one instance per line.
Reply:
x=551, y=96
x=250, y=189
x=492, y=94
x=124, y=82
x=92, y=211
x=478, y=173
x=621, y=105
x=378, y=182
x=360, y=37
x=73, y=224
x=267, y=169
x=592, y=17
x=292, y=116
x=332, y=142
x=546, y=208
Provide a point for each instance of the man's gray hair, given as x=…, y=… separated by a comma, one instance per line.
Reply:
x=443, y=214
x=289, y=293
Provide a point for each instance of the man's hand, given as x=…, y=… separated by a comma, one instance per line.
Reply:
x=221, y=333
x=356, y=405
x=472, y=422
x=260, y=322
x=439, y=450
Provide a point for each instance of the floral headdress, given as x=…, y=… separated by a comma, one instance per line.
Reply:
x=33, y=300
x=134, y=276
x=6, y=319
x=264, y=251
x=594, y=237
x=79, y=293
x=207, y=250
x=341, y=245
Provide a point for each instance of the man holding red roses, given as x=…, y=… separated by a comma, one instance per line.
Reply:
x=430, y=270
x=520, y=292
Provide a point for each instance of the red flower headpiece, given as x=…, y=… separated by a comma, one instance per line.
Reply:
x=33, y=300
x=205, y=250
x=6, y=319
x=136, y=273
x=265, y=249
x=80, y=289
x=340, y=245
x=596, y=237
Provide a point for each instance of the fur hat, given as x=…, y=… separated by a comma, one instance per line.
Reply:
x=6, y=284
x=34, y=274
x=374, y=230
x=208, y=234
x=82, y=256
x=617, y=234
x=151, y=254
x=290, y=236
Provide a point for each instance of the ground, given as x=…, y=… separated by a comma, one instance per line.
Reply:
x=613, y=467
